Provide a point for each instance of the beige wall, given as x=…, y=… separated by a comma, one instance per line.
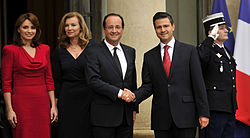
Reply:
x=184, y=14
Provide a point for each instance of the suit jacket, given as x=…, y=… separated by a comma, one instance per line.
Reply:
x=181, y=97
x=104, y=78
x=219, y=76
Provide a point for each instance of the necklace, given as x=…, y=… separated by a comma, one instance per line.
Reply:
x=75, y=49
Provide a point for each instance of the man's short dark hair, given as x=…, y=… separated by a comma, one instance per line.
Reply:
x=112, y=14
x=160, y=15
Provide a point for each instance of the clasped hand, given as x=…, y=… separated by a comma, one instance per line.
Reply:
x=127, y=95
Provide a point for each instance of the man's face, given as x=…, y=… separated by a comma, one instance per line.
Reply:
x=164, y=30
x=223, y=36
x=113, y=30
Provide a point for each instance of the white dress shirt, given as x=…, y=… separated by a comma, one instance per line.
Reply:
x=170, y=49
x=121, y=57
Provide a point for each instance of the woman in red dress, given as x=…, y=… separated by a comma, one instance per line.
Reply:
x=27, y=82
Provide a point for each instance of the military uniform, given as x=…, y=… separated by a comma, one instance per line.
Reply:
x=219, y=76
x=219, y=70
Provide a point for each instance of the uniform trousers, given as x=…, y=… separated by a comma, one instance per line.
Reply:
x=221, y=125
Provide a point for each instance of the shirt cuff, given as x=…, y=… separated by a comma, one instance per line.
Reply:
x=120, y=93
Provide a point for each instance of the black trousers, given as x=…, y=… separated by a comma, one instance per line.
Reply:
x=221, y=125
x=122, y=131
x=113, y=132
x=175, y=132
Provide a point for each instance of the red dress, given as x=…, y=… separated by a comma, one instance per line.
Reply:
x=31, y=79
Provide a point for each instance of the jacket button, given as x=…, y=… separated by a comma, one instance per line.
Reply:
x=233, y=78
x=169, y=85
x=233, y=86
x=231, y=70
x=230, y=63
x=214, y=88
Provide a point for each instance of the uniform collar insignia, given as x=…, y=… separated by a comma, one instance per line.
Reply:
x=213, y=45
x=218, y=55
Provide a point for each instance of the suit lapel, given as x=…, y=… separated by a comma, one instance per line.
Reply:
x=110, y=59
x=174, y=57
x=174, y=60
x=159, y=63
x=128, y=58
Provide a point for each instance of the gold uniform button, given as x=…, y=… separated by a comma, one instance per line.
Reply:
x=233, y=86
x=231, y=70
x=233, y=78
x=230, y=63
x=214, y=88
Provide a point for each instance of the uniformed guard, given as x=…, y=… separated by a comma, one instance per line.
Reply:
x=219, y=69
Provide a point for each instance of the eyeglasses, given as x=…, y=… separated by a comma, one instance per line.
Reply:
x=112, y=27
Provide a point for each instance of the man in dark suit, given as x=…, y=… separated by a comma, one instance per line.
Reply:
x=110, y=69
x=173, y=75
x=219, y=69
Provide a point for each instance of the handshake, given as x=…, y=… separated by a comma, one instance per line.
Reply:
x=127, y=95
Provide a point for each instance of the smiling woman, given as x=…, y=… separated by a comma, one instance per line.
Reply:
x=71, y=89
x=27, y=31
x=27, y=82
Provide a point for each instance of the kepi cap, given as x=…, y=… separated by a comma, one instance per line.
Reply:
x=213, y=19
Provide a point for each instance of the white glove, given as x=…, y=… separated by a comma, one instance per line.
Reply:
x=214, y=33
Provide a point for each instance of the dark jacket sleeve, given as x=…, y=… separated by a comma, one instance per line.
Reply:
x=134, y=87
x=198, y=85
x=204, y=51
x=93, y=75
x=145, y=90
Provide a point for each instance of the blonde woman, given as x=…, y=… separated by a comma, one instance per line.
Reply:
x=70, y=85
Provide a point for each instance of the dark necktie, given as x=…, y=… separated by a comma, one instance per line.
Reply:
x=166, y=60
x=117, y=61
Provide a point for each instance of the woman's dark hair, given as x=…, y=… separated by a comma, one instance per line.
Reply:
x=34, y=20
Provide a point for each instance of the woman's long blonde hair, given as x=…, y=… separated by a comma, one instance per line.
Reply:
x=84, y=36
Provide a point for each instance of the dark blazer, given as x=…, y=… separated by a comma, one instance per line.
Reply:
x=219, y=76
x=104, y=78
x=181, y=97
